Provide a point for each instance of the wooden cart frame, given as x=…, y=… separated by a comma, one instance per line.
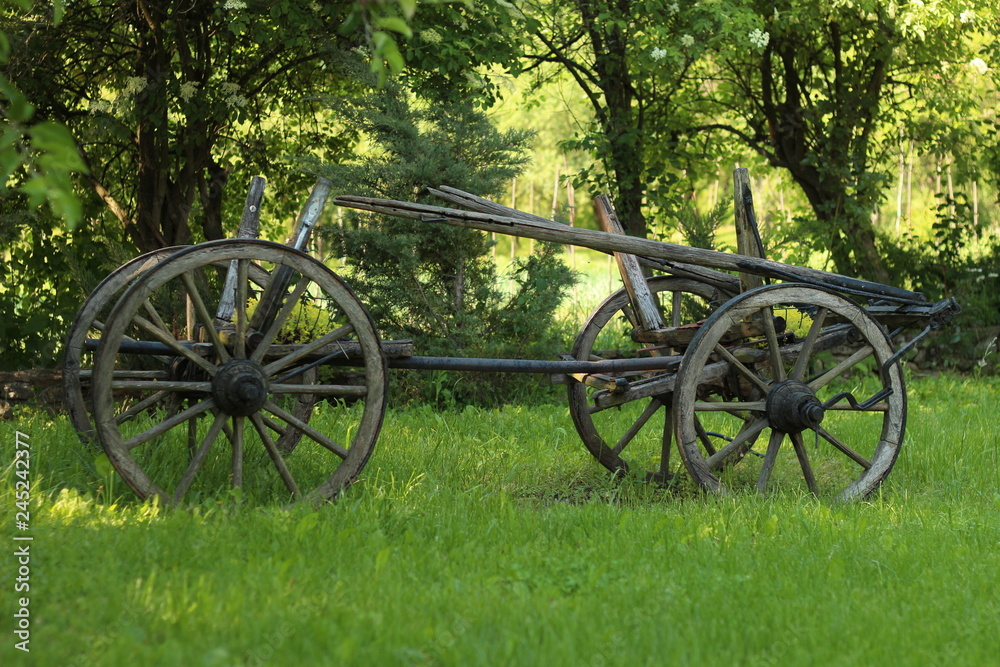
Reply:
x=703, y=361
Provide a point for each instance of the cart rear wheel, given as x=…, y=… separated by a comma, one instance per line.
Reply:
x=89, y=323
x=632, y=428
x=818, y=395
x=237, y=384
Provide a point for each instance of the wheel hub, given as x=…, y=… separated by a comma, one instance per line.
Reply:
x=240, y=387
x=792, y=407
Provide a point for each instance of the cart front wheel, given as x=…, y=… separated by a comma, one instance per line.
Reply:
x=813, y=387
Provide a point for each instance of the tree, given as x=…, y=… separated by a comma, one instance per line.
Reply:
x=822, y=93
x=41, y=156
x=436, y=284
x=166, y=99
x=636, y=63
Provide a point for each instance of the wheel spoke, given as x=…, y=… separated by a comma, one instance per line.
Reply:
x=279, y=321
x=667, y=442
x=237, y=440
x=176, y=347
x=276, y=458
x=847, y=450
x=139, y=407
x=633, y=430
x=732, y=407
x=802, y=363
x=741, y=368
x=773, y=445
x=163, y=385
x=207, y=320
x=778, y=374
x=800, y=452
x=836, y=371
x=746, y=434
x=154, y=316
x=308, y=349
x=675, y=308
x=241, y=309
x=295, y=422
x=706, y=440
x=324, y=389
x=199, y=457
x=169, y=423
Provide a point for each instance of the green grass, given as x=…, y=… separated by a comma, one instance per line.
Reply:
x=491, y=537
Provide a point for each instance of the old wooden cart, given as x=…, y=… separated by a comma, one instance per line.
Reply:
x=186, y=400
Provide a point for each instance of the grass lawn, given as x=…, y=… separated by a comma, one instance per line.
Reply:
x=493, y=538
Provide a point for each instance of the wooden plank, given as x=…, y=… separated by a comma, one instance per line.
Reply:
x=748, y=241
x=718, y=279
x=249, y=225
x=643, y=302
x=558, y=233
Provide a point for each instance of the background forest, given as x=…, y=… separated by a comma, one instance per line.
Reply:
x=869, y=127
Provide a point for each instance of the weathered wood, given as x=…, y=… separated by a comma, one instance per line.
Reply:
x=248, y=229
x=643, y=303
x=795, y=394
x=553, y=231
x=723, y=281
x=681, y=336
x=275, y=292
x=748, y=241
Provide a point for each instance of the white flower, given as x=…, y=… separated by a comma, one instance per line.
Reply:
x=917, y=3
x=234, y=4
x=99, y=106
x=188, y=89
x=658, y=54
x=673, y=8
x=236, y=101
x=231, y=91
x=135, y=85
x=687, y=40
x=968, y=16
x=430, y=36
x=759, y=38
x=978, y=65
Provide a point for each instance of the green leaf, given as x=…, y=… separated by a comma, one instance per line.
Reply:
x=55, y=139
x=18, y=109
x=395, y=24
x=409, y=7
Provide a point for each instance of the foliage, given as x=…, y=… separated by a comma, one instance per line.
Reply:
x=167, y=100
x=40, y=156
x=825, y=88
x=437, y=284
x=637, y=64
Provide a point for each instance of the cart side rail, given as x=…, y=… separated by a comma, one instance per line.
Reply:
x=556, y=232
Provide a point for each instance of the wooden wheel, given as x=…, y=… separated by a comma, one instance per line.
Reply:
x=238, y=384
x=89, y=323
x=620, y=426
x=815, y=378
